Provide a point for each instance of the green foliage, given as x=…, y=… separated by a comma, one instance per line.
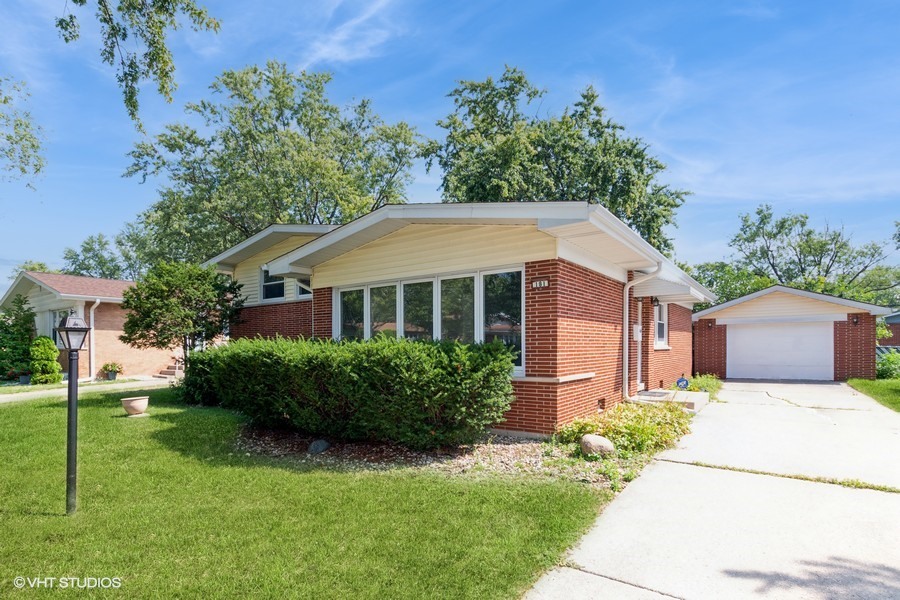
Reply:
x=704, y=383
x=882, y=331
x=790, y=252
x=16, y=333
x=633, y=428
x=888, y=365
x=134, y=40
x=179, y=304
x=20, y=138
x=45, y=367
x=728, y=280
x=270, y=148
x=111, y=367
x=35, y=266
x=496, y=151
x=96, y=258
x=420, y=394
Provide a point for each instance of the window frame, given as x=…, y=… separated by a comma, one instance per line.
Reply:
x=263, y=284
x=663, y=318
x=303, y=292
x=435, y=281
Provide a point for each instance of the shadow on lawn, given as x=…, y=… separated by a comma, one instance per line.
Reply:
x=835, y=577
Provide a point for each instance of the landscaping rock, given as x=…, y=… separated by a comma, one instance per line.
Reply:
x=596, y=444
x=318, y=447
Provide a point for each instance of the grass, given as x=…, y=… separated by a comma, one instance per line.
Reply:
x=168, y=505
x=15, y=388
x=885, y=391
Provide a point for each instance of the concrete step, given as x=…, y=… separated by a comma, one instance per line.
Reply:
x=693, y=401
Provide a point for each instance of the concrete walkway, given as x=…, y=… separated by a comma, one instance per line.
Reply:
x=142, y=384
x=687, y=531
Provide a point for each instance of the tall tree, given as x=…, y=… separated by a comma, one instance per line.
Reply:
x=272, y=148
x=728, y=280
x=36, y=266
x=134, y=40
x=16, y=333
x=494, y=151
x=179, y=304
x=20, y=137
x=96, y=258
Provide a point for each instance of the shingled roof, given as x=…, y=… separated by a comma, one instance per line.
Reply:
x=76, y=285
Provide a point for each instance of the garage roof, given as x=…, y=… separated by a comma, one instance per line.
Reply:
x=853, y=305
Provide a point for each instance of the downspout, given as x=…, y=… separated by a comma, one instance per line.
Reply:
x=626, y=328
x=91, y=355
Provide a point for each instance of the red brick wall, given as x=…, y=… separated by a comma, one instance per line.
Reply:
x=894, y=340
x=710, y=347
x=662, y=367
x=110, y=319
x=321, y=313
x=854, y=347
x=288, y=319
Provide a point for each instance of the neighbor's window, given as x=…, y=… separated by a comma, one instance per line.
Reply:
x=383, y=310
x=55, y=317
x=352, y=315
x=458, y=309
x=503, y=310
x=304, y=289
x=272, y=287
x=661, y=317
x=418, y=310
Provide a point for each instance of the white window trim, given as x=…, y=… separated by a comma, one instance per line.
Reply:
x=307, y=294
x=661, y=344
x=262, y=286
x=436, y=306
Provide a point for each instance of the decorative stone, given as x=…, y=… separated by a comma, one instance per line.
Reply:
x=596, y=444
x=318, y=447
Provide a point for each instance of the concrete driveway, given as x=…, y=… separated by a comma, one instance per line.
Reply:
x=682, y=530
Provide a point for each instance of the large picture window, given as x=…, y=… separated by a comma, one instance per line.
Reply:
x=418, y=310
x=503, y=310
x=476, y=307
x=458, y=309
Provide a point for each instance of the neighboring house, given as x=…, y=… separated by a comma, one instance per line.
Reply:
x=893, y=324
x=785, y=333
x=98, y=302
x=549, y=279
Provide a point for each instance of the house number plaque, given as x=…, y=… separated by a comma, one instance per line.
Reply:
x=540, y=283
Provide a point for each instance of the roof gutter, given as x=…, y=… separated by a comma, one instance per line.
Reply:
x=626, y=329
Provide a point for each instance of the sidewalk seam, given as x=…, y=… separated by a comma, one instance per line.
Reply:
x=577, y=567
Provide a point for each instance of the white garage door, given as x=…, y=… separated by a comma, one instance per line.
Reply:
x=780, y=351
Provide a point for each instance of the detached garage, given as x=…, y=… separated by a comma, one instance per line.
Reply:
x=783, y=333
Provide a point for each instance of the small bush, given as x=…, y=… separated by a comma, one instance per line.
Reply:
x=111, y=367
x=888, y=365
x=633, y=428
x=45, y=367
x=420, y=394
x=704, y=383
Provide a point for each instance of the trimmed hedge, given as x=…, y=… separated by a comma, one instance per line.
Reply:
x=419, y=394
x=45, y=367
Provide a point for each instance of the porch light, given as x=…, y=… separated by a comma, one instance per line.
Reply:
x=655, y=301
x=72, y=331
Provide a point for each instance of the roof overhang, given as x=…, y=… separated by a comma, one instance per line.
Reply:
x=24, y=282
x=583, y=229
x=268, y=237
x=674, y=287
x=873, y=309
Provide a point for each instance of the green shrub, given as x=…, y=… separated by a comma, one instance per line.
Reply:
x=16, y=334
x=888, y=365
x=633, y=428
x=704, y=383
x=45, y=367
x=420, y=394
x=111, y=367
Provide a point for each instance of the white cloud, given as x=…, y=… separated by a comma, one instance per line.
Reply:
x=354, y=39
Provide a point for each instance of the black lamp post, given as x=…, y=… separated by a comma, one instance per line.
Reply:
x=72, y=331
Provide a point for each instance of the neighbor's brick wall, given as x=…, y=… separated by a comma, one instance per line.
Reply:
x=288, y=319
x=894, y=340
x=110, y=319
x=321, y=313
x=854, y=347
x=709, y=347
x=663, y=367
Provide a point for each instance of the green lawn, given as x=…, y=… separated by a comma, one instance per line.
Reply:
x=886, y=391
x=15, y=388
x=166, y=504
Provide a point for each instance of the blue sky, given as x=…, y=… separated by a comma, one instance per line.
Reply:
x=791, y=103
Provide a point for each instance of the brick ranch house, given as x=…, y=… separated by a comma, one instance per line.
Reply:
x=786, y=333
x=98, y=302
x=567, y=284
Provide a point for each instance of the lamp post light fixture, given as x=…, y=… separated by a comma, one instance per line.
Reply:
x=72, y=331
